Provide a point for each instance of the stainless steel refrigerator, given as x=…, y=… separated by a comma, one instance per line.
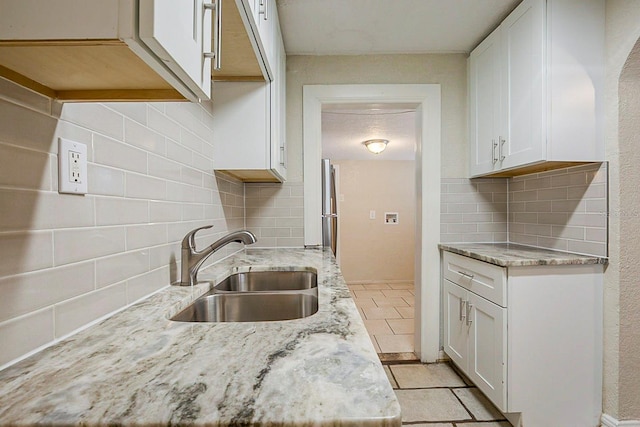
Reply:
x=329, y=207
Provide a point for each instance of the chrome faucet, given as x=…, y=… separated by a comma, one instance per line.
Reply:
x=192, y=259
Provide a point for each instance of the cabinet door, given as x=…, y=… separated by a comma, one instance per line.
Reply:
x=484, y=98
x=455, y=325
x=179, y=33
x=278, y=110
x=523, y=135
x=488, y=348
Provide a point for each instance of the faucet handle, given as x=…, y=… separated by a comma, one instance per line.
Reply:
x=189, y=241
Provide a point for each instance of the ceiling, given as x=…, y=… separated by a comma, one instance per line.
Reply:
x=345, y=127
x=360, y=27
x=356, y=27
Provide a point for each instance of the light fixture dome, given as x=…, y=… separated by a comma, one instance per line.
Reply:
x=376, y=146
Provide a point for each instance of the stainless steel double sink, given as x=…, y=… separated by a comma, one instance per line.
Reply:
x=257, y=296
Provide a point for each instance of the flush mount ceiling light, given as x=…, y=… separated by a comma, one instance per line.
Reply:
x=376, y=146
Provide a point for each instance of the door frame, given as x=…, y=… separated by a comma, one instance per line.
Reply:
x=427, y=100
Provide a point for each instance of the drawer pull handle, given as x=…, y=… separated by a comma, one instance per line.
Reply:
x=469, y=307
x=462, y=309
x=470, y=276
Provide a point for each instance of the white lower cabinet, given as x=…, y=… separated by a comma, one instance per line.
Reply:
x=529, y=337
x=475, y=331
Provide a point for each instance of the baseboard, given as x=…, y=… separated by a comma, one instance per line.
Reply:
x=609, y=421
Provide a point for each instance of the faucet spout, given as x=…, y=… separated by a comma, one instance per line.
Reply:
x=193, y=259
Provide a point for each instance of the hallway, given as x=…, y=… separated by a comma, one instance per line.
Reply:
x=388, y=313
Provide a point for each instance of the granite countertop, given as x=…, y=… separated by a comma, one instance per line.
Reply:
x=513, y=255
x=138, y=367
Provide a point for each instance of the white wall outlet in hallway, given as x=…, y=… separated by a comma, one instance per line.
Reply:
x=72, y=167
x=372, y=214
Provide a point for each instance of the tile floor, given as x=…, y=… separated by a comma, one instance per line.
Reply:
x=387, y=310
x=435, y=395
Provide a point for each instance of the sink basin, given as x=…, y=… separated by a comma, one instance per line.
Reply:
x=270, y=280
x=249, y=307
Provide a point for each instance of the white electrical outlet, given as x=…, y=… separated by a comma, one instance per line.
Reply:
x=72, y=167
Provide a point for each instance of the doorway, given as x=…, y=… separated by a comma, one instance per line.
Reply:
x=376, y=216
x=425, y=99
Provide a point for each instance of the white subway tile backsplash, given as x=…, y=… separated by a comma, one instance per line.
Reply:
x=81, y=244
x=105, y=181
x=578, y=205
x=145, y=187
x=24, y=293
x=150, y=181
x=120, y=267
x=77, y=312
x=145, y=235
x=24, y=252
x=117, y=211
x=27, y=169
x=96, y=117
x=142, y=137
x=164, y=211
x=119, y=155
x=26, y=128
x=24, y=334
x=164, y=168
x=141, y=286
x=159, y=122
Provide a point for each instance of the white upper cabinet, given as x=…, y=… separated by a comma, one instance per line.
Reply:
x=536, y=89
x=89, y=50
x=249, y=116
x=180, y=36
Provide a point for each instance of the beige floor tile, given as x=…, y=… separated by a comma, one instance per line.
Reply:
x=356, y=287
x=401, y=286
x=395, y=301
x=478, y=404
x=369, y=294
x=397, y=293
x=393, y=382
x=381, y=313
x=410, y=300
x=430, y=405
x=494, y=424
x=364, y=302
x=396, y=343
x=375, y=286
x=401, y=326
x=377, y=327
x=375, y=343
x=406, y=312
x=424, y=376
x=436, y=425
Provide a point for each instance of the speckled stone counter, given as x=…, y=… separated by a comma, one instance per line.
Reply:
x=138, y=367
x=512, y=255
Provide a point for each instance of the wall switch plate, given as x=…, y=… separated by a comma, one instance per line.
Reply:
x=372, y=214
x=72, y=167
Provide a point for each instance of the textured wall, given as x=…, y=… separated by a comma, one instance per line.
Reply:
x=622, y=33
x=370, y=250
x=448, y=70
x=66, y=260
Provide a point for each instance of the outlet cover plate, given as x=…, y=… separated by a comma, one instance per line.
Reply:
x=72, y=167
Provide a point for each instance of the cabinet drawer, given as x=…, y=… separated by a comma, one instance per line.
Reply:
x=484, y=279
